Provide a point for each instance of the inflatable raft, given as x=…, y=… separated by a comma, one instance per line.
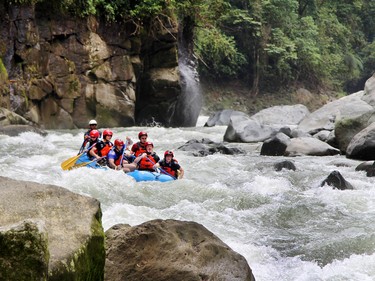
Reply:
x=84, y=161
x=149, y=176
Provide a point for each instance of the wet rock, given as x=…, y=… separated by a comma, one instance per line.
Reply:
x=15, y=130
x=336, y=180
x=362, y=146
x=365, y=166
x=288, y=165
x=221, y=118
x=242, y=129
x=206, y=147
x=282, y=115
x=50, y=233
x=309, y=146
x=275, y=146
x=170, y=250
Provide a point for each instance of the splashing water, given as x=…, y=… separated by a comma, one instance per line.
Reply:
x=285, y=225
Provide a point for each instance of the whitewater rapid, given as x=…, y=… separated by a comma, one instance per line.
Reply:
x=284, y=223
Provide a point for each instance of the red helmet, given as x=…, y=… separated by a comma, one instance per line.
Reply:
x=148, y=143
x=107, y=132
x=142, y=134
x=119, y=142
x=94, y=134
x=168, y=152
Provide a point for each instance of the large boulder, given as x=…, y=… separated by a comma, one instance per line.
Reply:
x=245, y=129
x=337, y=181
x=170, y=250
x=347, y=128
x=325, y=117
x=48, y=232
x=369, y=95
x=206, y=147
x=8, y=117
x=362, y=146
x=309, y=146
x=221, y=118
x=15, y=130
x=284, y=115
x=275, y=146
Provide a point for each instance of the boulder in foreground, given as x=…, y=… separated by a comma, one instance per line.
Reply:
x=49, y=233
x=170, y=250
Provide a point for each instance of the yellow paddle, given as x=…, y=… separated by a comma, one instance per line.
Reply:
x=86, y=163
x=69, y=163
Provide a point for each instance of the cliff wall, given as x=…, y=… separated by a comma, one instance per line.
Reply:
x=63, y=71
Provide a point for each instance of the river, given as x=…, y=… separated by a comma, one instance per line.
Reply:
x=284, y=224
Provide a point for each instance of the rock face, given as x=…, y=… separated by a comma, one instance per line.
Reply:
x=337, y=181
x=65, y=71
x=169, y=250
x=48, y=231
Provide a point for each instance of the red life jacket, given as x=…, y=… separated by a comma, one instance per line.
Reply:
x=138, y=149
x=147, y=163
x=106, y=149
x=170, y=171
x=170, y=168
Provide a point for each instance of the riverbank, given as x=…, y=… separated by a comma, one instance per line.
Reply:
x=237, y=96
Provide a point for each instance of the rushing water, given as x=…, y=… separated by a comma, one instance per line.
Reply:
x=283, y=223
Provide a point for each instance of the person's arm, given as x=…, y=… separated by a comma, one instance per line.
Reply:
x=111, y=163
x=180, y=173
x=93, y=151
x=138, y=158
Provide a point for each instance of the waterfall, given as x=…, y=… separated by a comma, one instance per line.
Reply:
x=189, y=104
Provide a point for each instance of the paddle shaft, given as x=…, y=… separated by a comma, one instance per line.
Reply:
x=165, y=172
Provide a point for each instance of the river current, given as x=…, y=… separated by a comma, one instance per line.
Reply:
x=284, y=223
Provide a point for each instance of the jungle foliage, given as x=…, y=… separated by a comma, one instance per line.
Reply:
x=267, y=43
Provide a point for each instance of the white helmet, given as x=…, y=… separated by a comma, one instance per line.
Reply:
x=93, y=122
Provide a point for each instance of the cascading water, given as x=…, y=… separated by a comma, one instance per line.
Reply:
x=189, y=104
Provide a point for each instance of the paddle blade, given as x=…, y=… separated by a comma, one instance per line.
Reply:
x=69, y=163
x=83, y=164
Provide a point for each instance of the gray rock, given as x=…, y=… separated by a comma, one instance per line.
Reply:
x=322, y=135
x=15, y=130
x=325, y=117
x=221, y=118
x=369, y=95
x=362, y=146
x=336, y=180
x=242, y=129
x=347, y=128
x=283, y=115
x=275, y=146
x=171, y=250
x=286, y=164
x=63, y=232
x=206, y=147
x=309, y=146
x=8, y=117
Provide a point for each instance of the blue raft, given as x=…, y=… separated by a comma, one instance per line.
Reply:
x=137, y=175
x=149, y=176
x=91, y=164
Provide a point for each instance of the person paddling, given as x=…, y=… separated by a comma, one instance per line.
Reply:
x=117, y=158
x=148, y=159
x=86, y=137
x=139, y=147
x=102, y=148
x=170, y=165
x=92, y=141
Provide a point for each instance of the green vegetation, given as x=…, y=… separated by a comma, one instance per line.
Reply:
x=270, y=44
